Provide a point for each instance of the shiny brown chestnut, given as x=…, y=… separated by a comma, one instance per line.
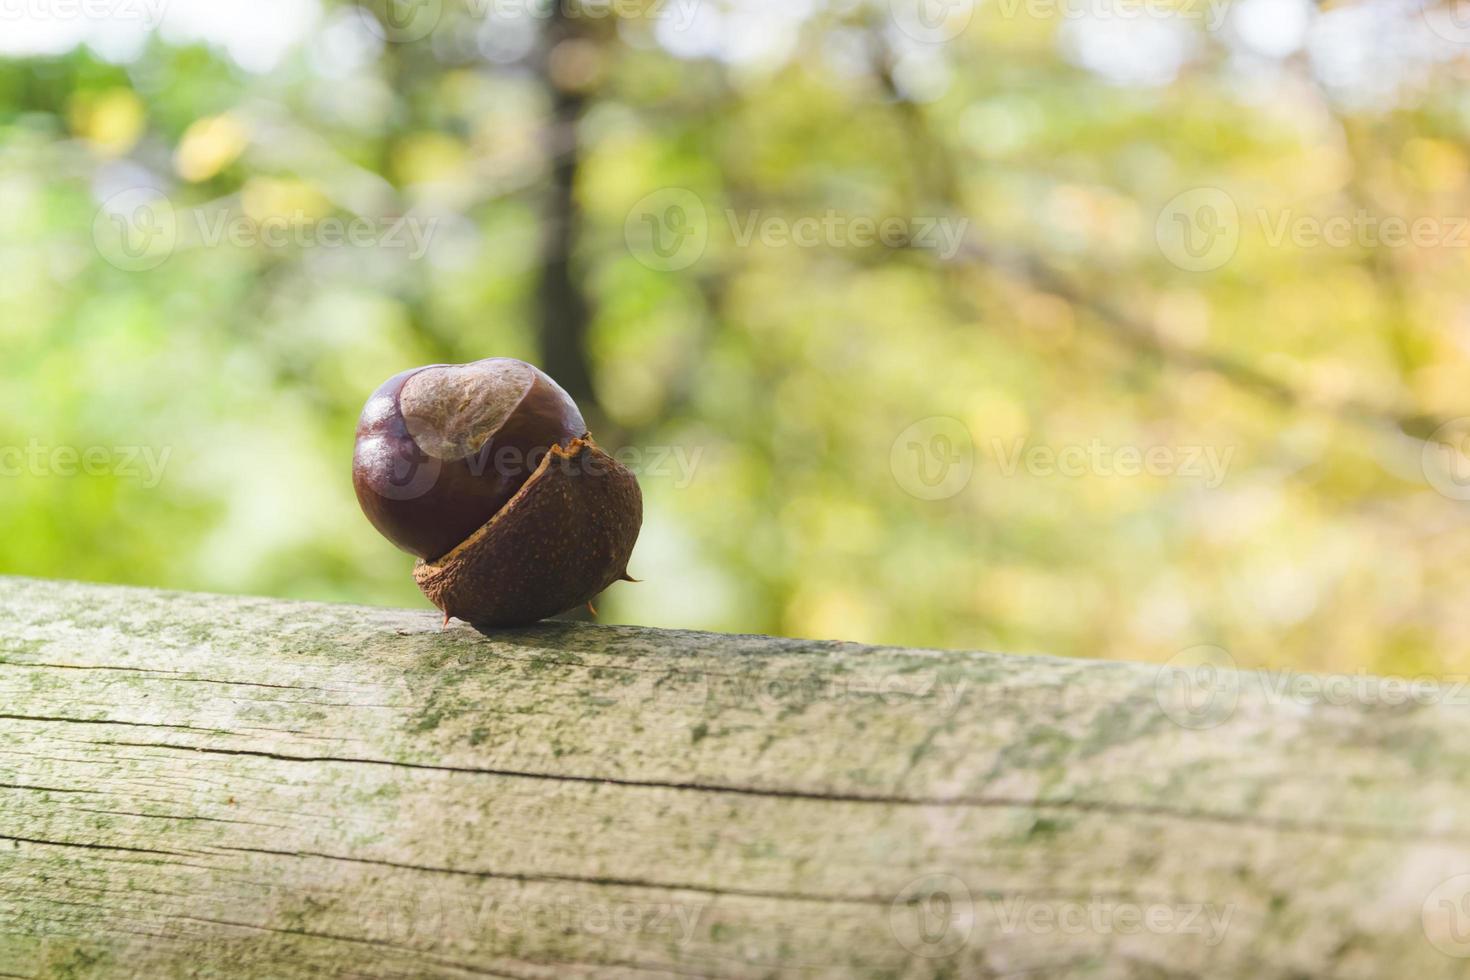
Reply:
x=486, y=472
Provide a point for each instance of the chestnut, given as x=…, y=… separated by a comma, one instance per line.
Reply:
x=487, y=474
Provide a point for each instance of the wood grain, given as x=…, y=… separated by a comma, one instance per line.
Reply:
x=231, y=787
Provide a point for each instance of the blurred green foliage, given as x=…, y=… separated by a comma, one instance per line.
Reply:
x=785, y=386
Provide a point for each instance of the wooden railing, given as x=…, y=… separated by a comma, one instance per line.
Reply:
x=231, y=787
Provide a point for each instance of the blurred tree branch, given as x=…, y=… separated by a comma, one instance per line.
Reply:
x=563, y=311
x=934, y=166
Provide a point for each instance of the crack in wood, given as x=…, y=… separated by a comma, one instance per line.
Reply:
x=90, y=846
x=595, y=880
x=1159, y=811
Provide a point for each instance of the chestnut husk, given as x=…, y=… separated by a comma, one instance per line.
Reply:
x=566, y=535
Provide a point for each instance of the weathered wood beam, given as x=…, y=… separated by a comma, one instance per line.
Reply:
x=231, y=787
